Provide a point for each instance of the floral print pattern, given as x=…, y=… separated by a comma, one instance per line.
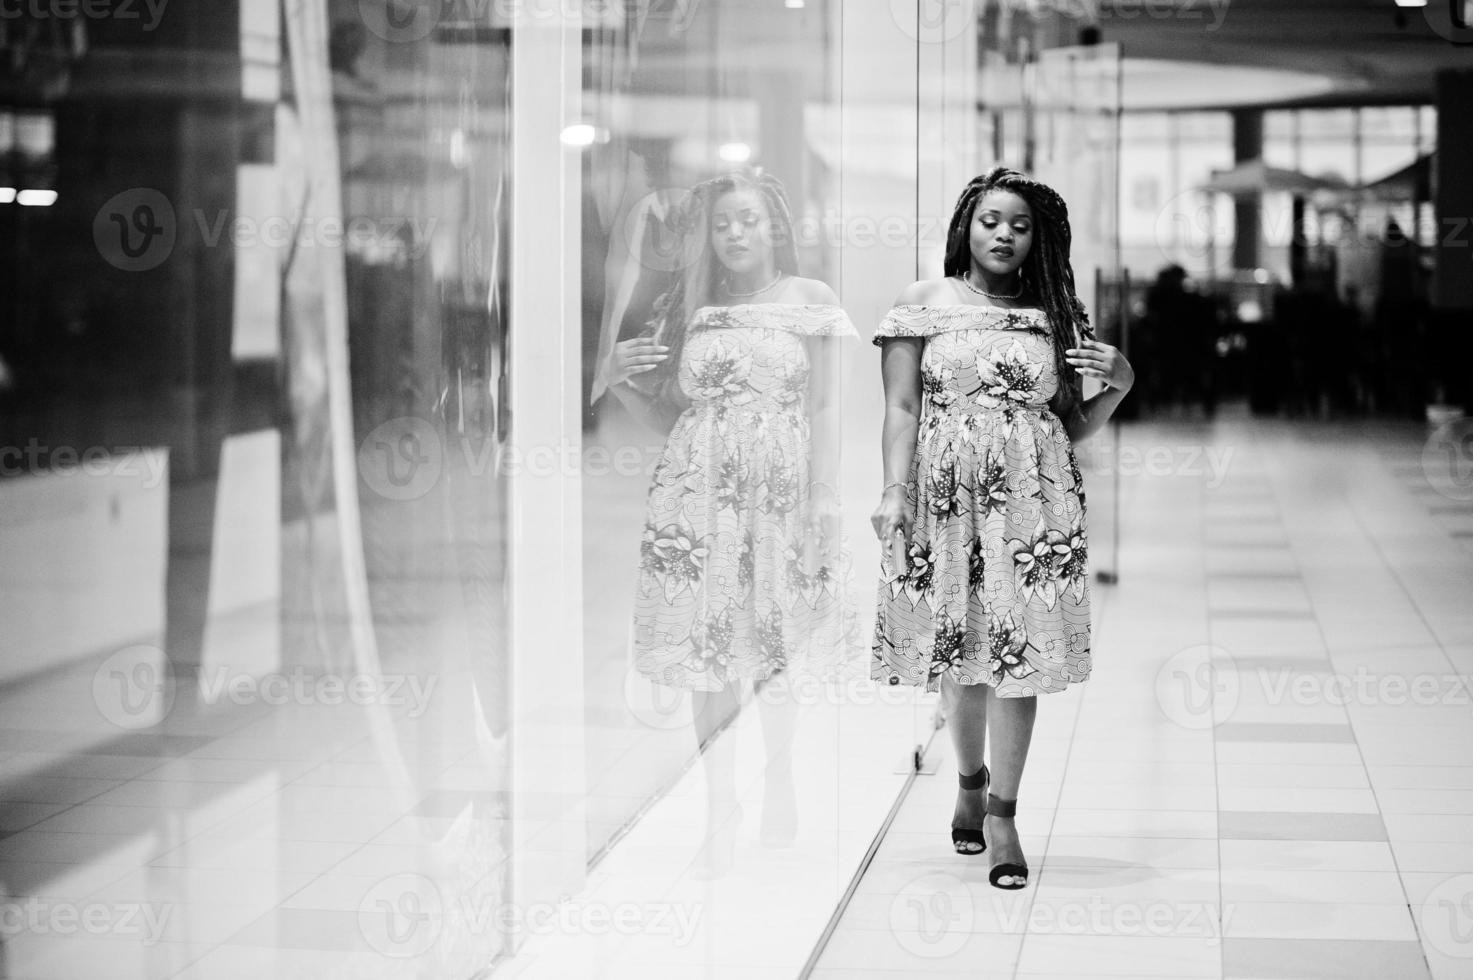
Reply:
x=730, y=586
x=996, y=586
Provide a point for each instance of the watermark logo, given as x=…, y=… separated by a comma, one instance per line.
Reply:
x=1447, y=917
x=136, y=230
x=405, y=915
x=934, y=21
x=401, y=916
x=408, y=21
x=1209, y=463
x=142, y=922
x=402, y=459
x=933, y=916
x=661, y=231
x=401, y=21
x=139, y=229
x=1451, y=20
x=1447, y=460
x=64, y=10
x=1098, y=915
x=134, y=688
x=1191, y=223
x=657, y=706
x=148, y=469
x=1198, y=687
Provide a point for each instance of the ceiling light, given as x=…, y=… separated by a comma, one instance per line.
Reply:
x=36, y=199
x=1411, y=3
x=7, y=195
x=735, y=152
x=584, y=134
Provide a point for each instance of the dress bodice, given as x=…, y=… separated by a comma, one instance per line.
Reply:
x=752, y=356
x=978, y=358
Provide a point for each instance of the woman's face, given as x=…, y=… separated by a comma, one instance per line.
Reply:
x=741, y=231
x=1002, y=232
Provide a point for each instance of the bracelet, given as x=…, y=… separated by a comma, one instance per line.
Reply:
x=814, y=485
x=897, y=483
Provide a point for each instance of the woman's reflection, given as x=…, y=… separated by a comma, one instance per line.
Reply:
x=742, y=567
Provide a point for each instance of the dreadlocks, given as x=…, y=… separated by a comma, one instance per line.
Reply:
x=693, y=286
x=1046, y=267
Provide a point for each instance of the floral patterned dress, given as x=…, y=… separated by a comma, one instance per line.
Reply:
x=997, y=589
x=731, y=583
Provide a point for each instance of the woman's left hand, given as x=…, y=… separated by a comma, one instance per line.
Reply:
x=824, y=523
x=1097, y=360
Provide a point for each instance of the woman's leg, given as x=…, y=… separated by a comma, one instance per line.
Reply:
x=1012, y=731
x=710, y=710
x=779, y=713
x=966, y=719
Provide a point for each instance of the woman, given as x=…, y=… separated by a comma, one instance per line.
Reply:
x=985, y=593
x=741, y=563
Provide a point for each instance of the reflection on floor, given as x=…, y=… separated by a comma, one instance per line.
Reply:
x=1268, y=776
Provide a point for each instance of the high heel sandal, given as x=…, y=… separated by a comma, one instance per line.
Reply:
x=1005, y=869
x=968, y=835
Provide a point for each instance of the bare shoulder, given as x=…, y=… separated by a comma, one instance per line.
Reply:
x=926, y=292
x=812, y=291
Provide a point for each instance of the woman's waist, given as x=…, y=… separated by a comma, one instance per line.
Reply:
x=726, y=406
x=963, y=410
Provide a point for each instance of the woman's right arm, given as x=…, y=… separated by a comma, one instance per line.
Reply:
x=634, y=357
x=900, y=363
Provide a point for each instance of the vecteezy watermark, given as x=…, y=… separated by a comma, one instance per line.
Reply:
x=403, y=916
x=663, y=706
x=1211, y=12
x=408, y=21
x=136, y=230
x=404, y=457
x=1210, y=462
x=152, y=469
x=33, y=915
x=1447, y=917
x=663, y=236
x=1450, y=19
x=139, y=229
x=934, y=21
x=1447, y=459
x=151, y=12
x=1198, y=687
x=1193, y=223
x=298, y=687
x=1101, y=916
x=933, y=916
x=1363, y=687
x=137, y=688
x=938, y=21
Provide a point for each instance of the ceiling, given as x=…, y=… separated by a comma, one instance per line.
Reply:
x=1361, y=52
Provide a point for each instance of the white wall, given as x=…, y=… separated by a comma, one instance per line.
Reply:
x=82, y=561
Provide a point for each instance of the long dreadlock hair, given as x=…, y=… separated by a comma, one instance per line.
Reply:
x=1046, y=267
x=695, y=283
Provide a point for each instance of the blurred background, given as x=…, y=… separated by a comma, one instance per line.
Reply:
x=318, y=532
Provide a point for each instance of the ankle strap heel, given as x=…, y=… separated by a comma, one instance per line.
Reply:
x=1016, y=874
x=969, y=840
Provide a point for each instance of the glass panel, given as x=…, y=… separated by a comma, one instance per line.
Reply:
x=267, y=307
x=1079, y=156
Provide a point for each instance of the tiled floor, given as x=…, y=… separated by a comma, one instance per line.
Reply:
x=1268, y=776
x=1270, y=773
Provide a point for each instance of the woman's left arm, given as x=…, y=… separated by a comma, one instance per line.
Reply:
x=823, y=410
x=1098, y=360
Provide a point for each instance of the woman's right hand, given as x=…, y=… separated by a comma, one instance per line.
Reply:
x=892, y=523
x=635, y=356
